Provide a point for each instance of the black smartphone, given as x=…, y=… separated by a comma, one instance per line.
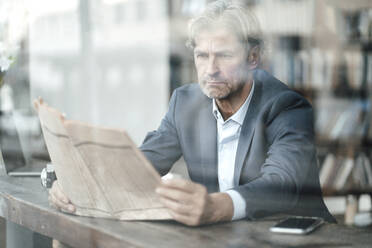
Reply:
x=297, y=225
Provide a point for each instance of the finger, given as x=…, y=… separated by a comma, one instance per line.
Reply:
x=175, y=194
x=51, y=202
x=185, y=219
x=59, y=199
x=54, y=202
x=57, y=192
x=176, y=207
x=181, y=184
x=61, y=205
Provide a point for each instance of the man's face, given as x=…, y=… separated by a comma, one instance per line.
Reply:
x=221, y=63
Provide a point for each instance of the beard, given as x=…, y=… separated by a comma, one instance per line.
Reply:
x=220, y=90
x=219, y=86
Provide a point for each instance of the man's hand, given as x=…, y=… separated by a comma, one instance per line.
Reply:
x=59, y=200
x=190, y=203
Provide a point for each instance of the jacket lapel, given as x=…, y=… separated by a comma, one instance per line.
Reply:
x=208, y=146
x=247, y=131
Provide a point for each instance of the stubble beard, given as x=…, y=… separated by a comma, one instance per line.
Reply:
x=220, y=92
x=226, y=89
x=216, y=92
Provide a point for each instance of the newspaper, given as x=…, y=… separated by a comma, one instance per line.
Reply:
x=100, y=169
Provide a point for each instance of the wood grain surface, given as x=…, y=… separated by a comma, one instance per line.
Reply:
x=24, y=201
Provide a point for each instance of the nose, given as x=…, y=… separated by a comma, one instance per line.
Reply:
x=212, y=68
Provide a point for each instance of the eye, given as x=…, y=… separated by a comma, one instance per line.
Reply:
x=226, y=55
x=201, y=55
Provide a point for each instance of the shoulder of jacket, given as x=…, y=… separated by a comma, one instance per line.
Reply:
x=273, y=89
x=191, y=92
x=190, y=96
x=188, y=88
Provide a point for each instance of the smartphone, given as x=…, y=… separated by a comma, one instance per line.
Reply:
x=297, y=225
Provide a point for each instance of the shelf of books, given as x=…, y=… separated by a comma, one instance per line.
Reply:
x=332, y=67
x=323, y=50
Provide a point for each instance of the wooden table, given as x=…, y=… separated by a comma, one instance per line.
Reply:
x=24, y=201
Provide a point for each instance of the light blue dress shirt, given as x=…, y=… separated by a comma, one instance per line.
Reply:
x=228, y=133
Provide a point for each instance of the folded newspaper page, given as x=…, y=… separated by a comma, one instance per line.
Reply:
x=101, y=170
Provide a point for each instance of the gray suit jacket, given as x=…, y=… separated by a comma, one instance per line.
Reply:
x=276, y=166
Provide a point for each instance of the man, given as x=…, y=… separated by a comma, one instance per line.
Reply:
x=247, y=139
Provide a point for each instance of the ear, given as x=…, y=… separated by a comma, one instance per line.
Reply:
x=254, y=57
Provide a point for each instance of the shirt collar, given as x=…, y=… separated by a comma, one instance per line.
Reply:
x=239, y=115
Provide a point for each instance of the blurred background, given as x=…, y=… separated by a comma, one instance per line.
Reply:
x=115, y=63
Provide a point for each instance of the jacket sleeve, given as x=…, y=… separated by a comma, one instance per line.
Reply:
x=287, y=126
x=162, y=147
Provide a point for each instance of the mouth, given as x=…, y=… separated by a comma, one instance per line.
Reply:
x=215, y=83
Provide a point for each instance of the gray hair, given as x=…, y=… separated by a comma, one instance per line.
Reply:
x=234, y=16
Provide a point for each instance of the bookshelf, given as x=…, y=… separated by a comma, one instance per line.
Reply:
x=332, y=67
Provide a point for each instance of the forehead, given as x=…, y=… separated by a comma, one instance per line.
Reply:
x=217, y=39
